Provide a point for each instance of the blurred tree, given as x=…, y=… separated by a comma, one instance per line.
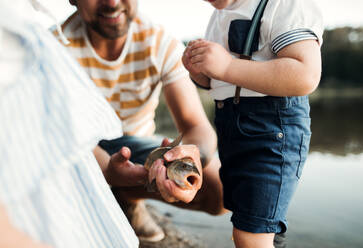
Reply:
x=342, y=54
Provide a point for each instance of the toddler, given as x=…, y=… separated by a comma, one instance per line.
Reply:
x=262, y=107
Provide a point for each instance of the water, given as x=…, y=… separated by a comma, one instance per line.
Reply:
x=327, y=209
x=337, y=126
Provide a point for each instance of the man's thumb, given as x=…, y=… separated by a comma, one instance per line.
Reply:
x=122, y=156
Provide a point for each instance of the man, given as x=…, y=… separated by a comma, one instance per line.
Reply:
x=51, y=187
x=52, y=190
x=131, y=59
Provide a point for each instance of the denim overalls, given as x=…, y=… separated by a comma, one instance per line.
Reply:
x=263, y=143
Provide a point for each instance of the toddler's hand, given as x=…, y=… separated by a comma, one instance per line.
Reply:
x=209, y=58
x=186, y=59
x=198, y=77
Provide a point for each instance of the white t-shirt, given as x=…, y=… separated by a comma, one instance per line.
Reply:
x=283, y=23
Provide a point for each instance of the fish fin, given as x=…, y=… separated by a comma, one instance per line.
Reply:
x=176, y=141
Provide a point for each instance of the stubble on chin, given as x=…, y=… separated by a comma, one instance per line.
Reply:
x=110, y=32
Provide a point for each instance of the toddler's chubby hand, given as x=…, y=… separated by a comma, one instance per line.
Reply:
x=198, y=77
x=208, y=58
x=187, y=59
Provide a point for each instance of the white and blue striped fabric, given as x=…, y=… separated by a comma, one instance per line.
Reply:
x=51, y=117
x=291, y=37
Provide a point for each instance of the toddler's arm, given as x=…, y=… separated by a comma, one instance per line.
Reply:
x=295, y=72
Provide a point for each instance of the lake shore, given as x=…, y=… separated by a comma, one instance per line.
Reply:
x=324, y=213
x=174, y=236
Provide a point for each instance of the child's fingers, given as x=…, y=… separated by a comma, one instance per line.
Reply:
x=190, y=43
x=198, y=67
x=196, y=59
x=197, y=51
x=199, y=43
x=186, y=55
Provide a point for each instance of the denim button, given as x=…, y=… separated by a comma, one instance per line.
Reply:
x=280, y=135
x=220, y=104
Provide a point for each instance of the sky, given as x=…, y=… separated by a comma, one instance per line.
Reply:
x=187, y=19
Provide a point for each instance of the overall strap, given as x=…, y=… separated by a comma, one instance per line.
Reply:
x=247, y=53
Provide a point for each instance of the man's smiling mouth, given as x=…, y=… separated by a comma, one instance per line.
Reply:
x=114, y=14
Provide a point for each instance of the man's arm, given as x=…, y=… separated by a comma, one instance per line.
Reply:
x=199, y=138
x=11, y=237
x=190, y=119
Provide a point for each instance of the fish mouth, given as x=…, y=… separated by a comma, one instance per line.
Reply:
x=191, y=179
x=184, y=173
x=184, y=181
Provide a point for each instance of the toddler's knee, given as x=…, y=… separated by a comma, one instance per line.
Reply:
x=244, y=239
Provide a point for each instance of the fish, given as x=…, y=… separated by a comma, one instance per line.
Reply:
x=183, y=172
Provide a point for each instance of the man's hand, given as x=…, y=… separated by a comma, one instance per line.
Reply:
x=168, y=189
x=122, y=172
x=182, y=151
x=208, y=58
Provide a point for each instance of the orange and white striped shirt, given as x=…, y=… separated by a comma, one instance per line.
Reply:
x=132, y=83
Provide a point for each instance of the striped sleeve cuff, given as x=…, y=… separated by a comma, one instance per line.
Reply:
x=290, y=37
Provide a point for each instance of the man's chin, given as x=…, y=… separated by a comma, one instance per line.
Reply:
x=110, y=33
x=112, y=36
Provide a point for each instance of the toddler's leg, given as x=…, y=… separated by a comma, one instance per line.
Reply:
x=244, y=239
